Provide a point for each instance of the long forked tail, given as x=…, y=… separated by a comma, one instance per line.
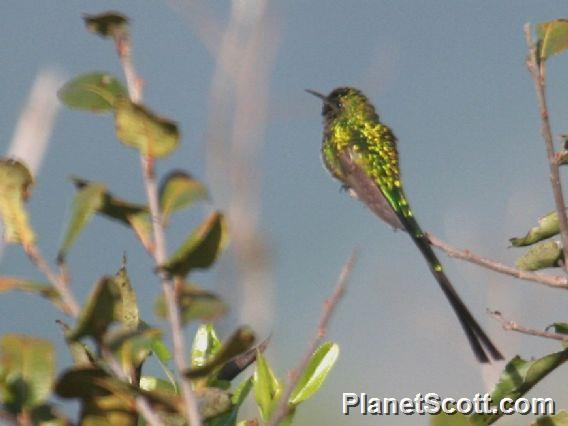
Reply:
x=478, y=340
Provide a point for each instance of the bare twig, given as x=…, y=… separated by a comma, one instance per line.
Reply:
x=69, y=302
x=134, y=84
x=329, y=306
x=513, y=326
x=537, y=71
x=555, y=281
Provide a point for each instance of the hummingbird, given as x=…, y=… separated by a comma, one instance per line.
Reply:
x=360, y=151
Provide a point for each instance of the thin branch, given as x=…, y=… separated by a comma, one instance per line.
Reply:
x=513, y=326
x=555, y=281
x=69, y=303
x=329, y=306
x=134, y=84
x=538, y=74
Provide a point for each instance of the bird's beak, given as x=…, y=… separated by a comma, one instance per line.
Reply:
x=317, y=94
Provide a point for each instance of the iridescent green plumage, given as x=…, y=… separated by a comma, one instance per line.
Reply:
x=360, y=151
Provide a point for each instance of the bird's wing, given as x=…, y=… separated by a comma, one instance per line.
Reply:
x=367, y=190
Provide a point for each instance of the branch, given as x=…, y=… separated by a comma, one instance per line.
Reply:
x=61, y=285
x=134, y=84
x=549, y=280
x=538, y=74
x=329, y=306
x=513, y=326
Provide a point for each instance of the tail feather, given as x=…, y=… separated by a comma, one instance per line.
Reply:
x=478, y=339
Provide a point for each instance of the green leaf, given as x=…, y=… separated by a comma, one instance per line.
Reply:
x=179, y=190
x=151, y=383
x=552, y=38
x=87, y=202
x=238, y=342
x=132, y=347
x=127, y=308
x=560, y=328
x=242, y=391
x=194, y=303
x=140, y=128
x=16, y=182
x=28, y=286
x=99, y=311
x=560, y=419
x=267, y=388
x=201, y=248
x=543, y=255
x=80, y=352
x=546, y=227
x=237, y=399
x=205, y=345
x=94, y=92
x=316, y=372
x=518, y=378
x=28, y=368
x=107, y=399
x=212, y=402
x=133, y=215
x=455, y=419
x=107, y=24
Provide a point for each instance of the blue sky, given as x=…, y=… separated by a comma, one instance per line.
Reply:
x=448, y=77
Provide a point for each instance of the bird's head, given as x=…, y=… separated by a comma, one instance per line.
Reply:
x=343, y=102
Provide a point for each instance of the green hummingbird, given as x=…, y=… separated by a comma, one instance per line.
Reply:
x=360, y=152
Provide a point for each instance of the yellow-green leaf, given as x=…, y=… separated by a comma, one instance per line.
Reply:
x=547, y=226
x=133, y=215
x=201, y=248
x=205, y=345
x=127, y=309
x=105, y=400
x=241, y=340
x=543, y=255
x=80, y=352
x=140, y=128
x=315, y=373
x=552, y=38
x=560, y=328
x=560, y=419
x=267, y=387
x=28, y=368
x=179, y=190
x=99, y=311
x=194, y=303
x=16, y=182
x=107, y=24
x=518, y=378
x=94, y=92
x=212, y=402
x=108, y=400
x=87, y=202
x=132, y=347
x=454, y=419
